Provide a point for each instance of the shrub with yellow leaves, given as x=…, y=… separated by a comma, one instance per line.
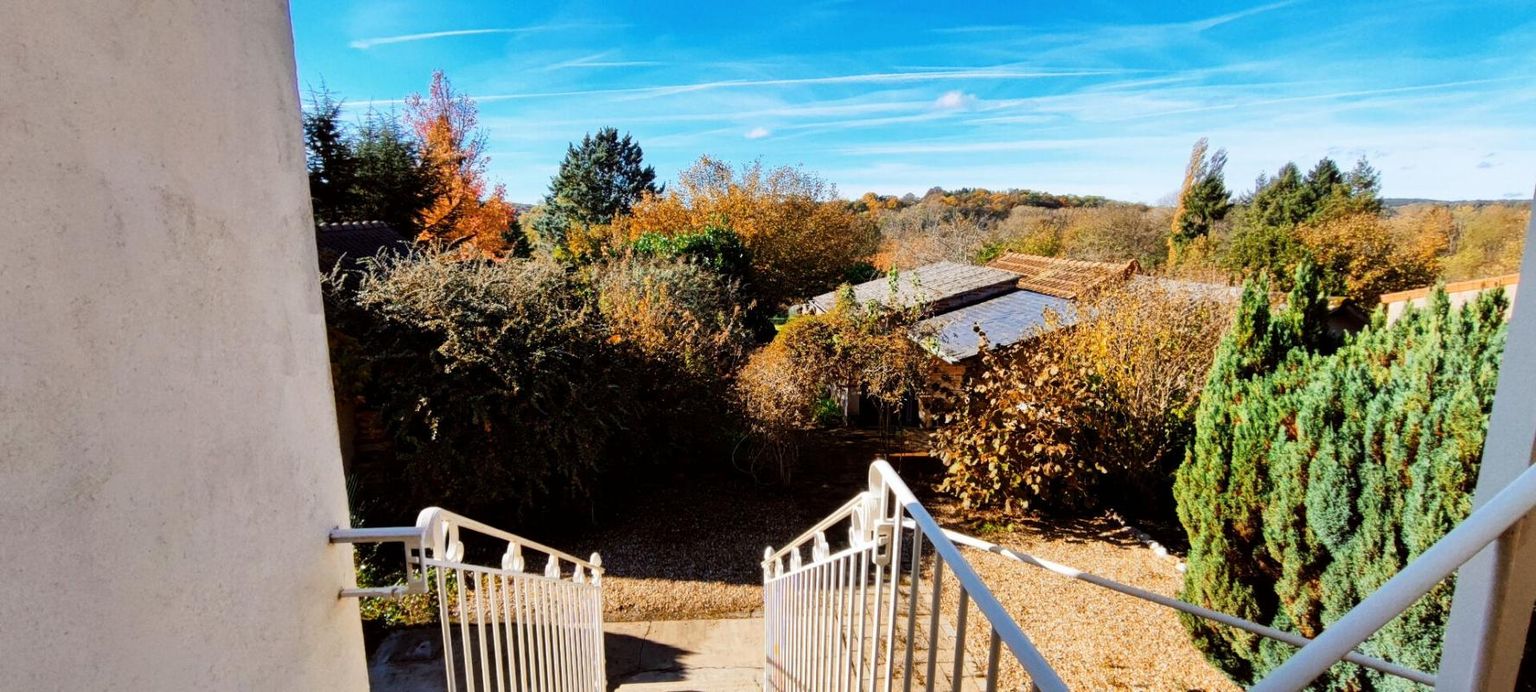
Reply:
x=1095, y=414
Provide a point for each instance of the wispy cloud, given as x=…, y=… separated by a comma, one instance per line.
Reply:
x=599, y=60
x=1213, y=22
x=758, y=133
x=959, y=74
x=1361, y=93
x=366, y=43
x=1195, y=25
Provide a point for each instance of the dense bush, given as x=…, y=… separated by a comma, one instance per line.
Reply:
x=515, y=385
x=1314, y=476
x=716, y=247
x=869, y=347
x=1090, y=415
x=676, y=328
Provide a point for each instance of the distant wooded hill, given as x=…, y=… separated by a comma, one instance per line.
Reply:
x=1394, y=202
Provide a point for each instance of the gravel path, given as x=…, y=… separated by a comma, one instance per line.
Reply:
x=1096, y=639
x=689, y=548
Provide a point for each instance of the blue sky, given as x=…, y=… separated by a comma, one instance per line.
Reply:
x=1079, y=97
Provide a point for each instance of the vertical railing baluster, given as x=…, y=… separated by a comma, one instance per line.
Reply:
x=993, y=651
x=478, y=630
x=890, y=626
x=524, y=648
x=814, y=584
x=863, y=615
x=506, y=624
x=934, y=609
x=442, y=616
x=959, y=669
x=915, y=572
x=541, y=627
x=599, y=663
x=840, y=598
x=464, y=643
x=567, y=661
x=492, y=607
x=796, y=647
x=791, y=610
x=876, y=628
x=556, y=646
x=592, y=637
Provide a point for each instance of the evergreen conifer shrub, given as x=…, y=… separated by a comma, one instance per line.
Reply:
x=1316, y=473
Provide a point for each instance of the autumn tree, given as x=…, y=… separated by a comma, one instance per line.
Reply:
x=802, y=239
x=601, y=177
x=464, y=211
x=925, y=233
x=372, y=171
x=1360, y=258
x=1203, y=199
x=1486, y=239
x=1113, y=232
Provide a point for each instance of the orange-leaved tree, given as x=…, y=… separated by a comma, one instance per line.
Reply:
x=462, y=213
x=1361, y=259
x=803, y=239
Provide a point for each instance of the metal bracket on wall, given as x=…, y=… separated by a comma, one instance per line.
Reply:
x=411, y=537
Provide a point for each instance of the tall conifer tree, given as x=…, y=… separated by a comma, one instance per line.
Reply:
x=601, y=177
x=1314, y=477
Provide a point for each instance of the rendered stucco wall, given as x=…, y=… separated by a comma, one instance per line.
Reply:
x=169, y=465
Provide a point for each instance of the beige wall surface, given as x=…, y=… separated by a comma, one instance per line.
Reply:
x=168, y=452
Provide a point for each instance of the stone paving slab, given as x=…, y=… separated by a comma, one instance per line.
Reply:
x=685, y=655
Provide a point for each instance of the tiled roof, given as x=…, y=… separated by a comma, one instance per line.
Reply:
x=942, y=286
x=1453, y=287
x=1063, y=278
x=355, y=240
x=1006, y=320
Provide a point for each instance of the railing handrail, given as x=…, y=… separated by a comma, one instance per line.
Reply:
x=1483, y=526
x=1262, y=630
x=831, y=520
x=433, y=517
x=437, y=528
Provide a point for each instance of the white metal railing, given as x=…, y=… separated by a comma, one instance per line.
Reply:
x=503, y=628
x=1291, y=638
x=875, y=615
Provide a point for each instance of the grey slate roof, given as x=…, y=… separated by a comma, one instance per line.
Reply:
x=942, y=285
x=352, y=241
x=1006, y=320
x=1192, y=289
